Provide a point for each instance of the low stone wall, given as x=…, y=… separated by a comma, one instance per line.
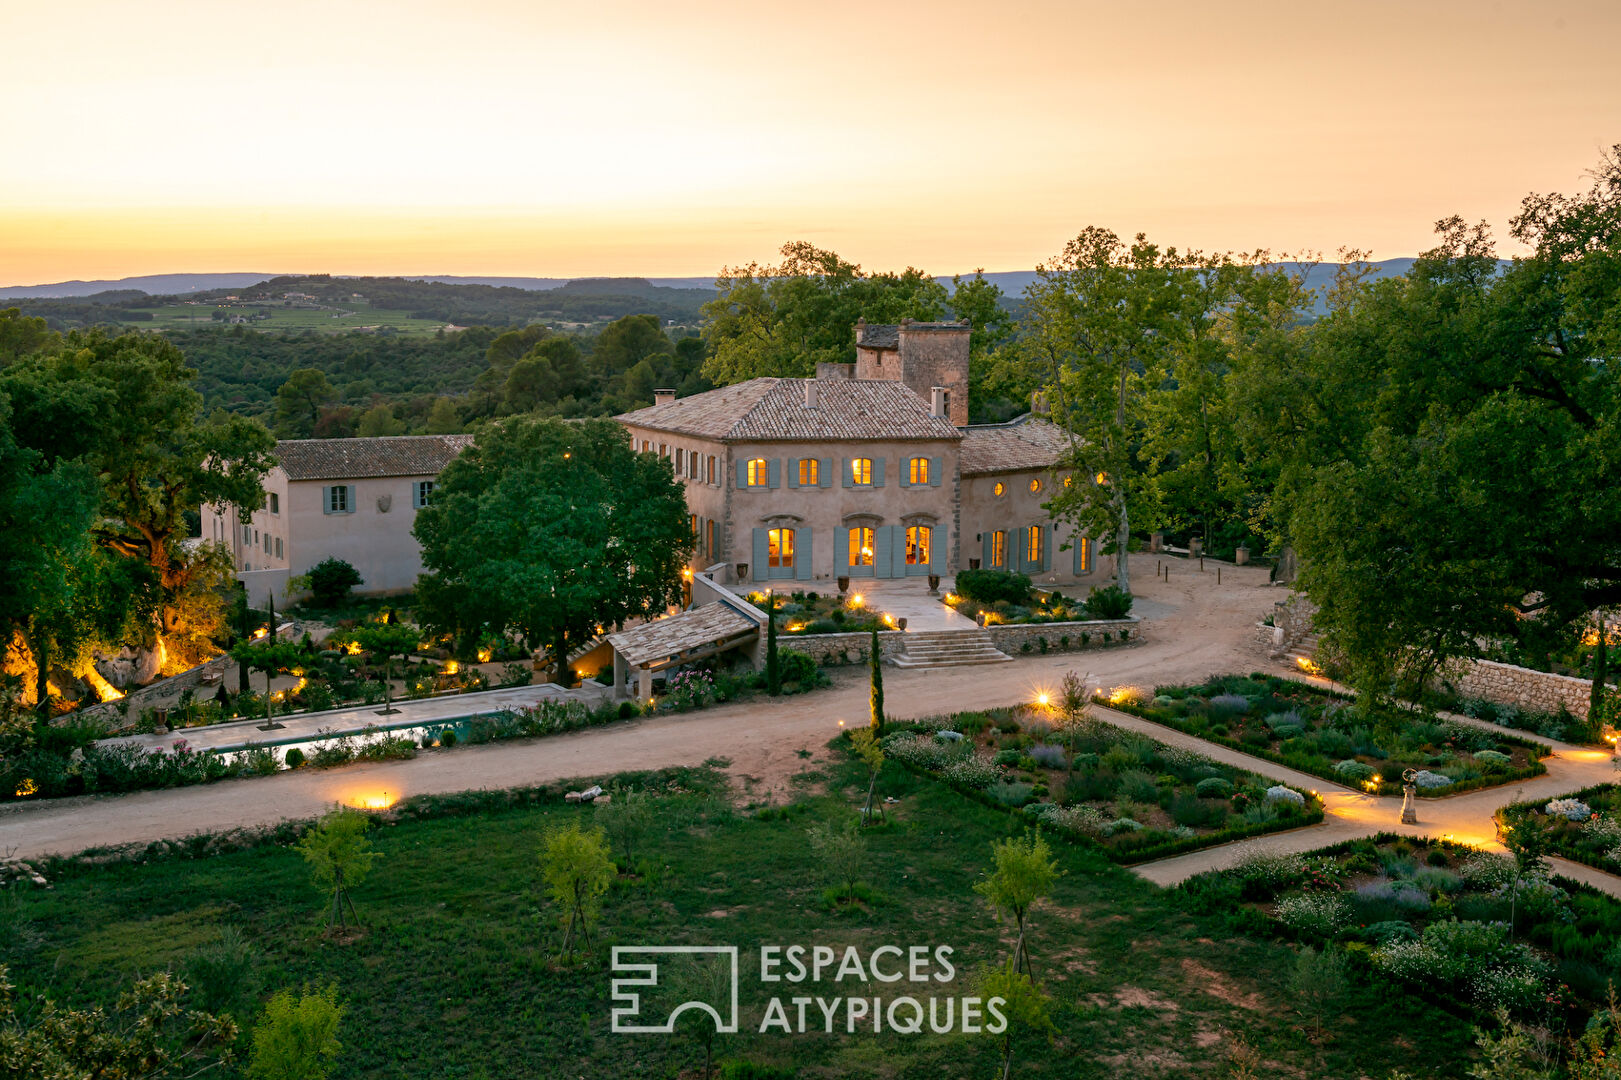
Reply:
x=1526, y=688
x=834, y=649
x=1011, y=638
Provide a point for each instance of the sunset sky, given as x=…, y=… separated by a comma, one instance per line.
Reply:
x=646, y=137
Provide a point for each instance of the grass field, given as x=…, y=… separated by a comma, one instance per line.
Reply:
x=324, y=320
x=454, y=976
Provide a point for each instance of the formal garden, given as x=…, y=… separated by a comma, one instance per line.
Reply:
x=801, y=612
x=1472, y=931
x=1332, y=736
x=454, y=935
x=1134, y=798
x=1584, y=826
x=1001, y=597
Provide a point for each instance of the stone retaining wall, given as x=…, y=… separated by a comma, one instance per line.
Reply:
x=1526, y=688
x=1010, y=638
x=835, y=649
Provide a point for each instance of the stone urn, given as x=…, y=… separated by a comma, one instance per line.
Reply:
x=844, y=584
x=902, y=624
x=934, y=584
x=742, y=571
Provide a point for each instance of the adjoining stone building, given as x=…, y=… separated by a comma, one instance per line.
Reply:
x=865, y=471
x=350, y=499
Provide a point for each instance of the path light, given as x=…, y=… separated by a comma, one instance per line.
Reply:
x=857, y=600
x=484, y=655
x=686, y=572
x=841, y=723
x=1043, y=699
x=451, y=667
x=373, y=801
x=354, y=648
x=26, y=788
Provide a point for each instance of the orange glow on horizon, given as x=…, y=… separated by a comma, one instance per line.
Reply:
x=344, y=93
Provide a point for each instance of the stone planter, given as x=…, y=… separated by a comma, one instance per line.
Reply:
x=844, y=584
x=1195, y=548
x=1241, y=557
x=934, y=584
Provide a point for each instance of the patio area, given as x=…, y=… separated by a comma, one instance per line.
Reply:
x=909, y=599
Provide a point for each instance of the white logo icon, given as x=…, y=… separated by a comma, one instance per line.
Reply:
x=628, y=1001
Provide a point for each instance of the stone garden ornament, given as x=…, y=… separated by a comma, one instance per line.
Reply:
x=1409, y=798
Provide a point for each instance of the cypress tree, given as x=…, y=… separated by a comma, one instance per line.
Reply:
x=876, y=660
x=773, y=672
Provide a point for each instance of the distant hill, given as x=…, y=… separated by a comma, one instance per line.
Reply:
x=1011, y=282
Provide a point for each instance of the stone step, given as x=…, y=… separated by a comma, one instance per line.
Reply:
x=949, y=648
x=960, y=661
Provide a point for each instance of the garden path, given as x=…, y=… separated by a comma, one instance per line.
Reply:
x=1198, y=629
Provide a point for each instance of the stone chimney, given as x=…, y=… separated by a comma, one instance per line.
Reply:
x=813, y=393
x=663, y=397
x=939, y=402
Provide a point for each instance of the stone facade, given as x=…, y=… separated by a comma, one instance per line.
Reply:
x=1011, y=638
x=834, y=649
x=921, y=355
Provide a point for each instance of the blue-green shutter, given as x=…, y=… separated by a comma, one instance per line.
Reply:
x=762, y=554
x=877, y=472
x=326, y=500
x=937, y=543
x=742, y=474
x=897, y=552
x=849, y=481
x=802, y=554
x=1046, y=545
x=906, y=472
x=774, y=472
x=824, y=473
x=883, y=551
x=986, y=539
x=793, y=472
x=934, y=472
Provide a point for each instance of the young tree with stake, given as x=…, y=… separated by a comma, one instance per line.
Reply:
x=577, y=868
x=864, y=741
x=340, y=857
x=1025, y=873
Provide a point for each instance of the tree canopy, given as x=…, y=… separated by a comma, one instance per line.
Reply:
x=548, y=528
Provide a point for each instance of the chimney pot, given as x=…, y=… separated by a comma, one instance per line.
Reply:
x=663, y=397
x=938, y=405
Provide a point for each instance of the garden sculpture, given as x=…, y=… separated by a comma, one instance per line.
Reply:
x=1409, y=804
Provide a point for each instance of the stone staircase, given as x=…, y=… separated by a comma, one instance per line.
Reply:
x=1303, y=653
x=948, y=648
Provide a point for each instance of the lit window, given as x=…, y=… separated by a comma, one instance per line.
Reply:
x=919, y=470
x=1103, y=478
x=422, y=493
x=781, y=547
x=1083, y=556
x=917, y=545
x=1032, y=547
x=759, y=472
x=693, y=520
x=860, y=547
x=861, y=470
x=1035, y=485
x=1069, y=481
x=807, y=472
x=999, y=490
x=999, y=548
x=709, y=538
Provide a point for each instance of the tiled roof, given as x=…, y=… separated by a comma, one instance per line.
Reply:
x=665, y=639
x=879, y=336
x=1025, y=443
x=346, y=459
x=776, y=409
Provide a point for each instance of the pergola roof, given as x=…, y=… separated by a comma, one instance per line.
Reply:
x=670, y=640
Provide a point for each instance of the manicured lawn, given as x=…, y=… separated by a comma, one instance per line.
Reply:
x=1584, y=826
x=1327, y=735
x=1136, y=798
x=454, y=977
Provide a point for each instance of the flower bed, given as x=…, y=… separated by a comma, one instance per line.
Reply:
x=802, y=614
x=1434, y=915
x=1031, y=606
x=1327, y=735
x=1583, y=827
x=1135, y=798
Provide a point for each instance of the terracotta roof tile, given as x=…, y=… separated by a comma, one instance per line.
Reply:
x=664, y=639
x=1025, y=443
x=766, y=409
x=344, y=459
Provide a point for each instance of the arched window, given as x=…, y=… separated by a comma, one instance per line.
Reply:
x=780, y=549
x=861, y=471
x=918, y=470
x=861, y=540
x=918, y=540
x=759, y=472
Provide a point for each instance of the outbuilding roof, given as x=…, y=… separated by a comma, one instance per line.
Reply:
x=1025, y=443
x=346, y=459
x=765, y=409
x=667, y=640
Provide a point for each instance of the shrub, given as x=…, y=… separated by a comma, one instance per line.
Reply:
x=1571, y=809
x=1213, y=787
x=1229, y=704
x=447, y=737
x=1011, y=793
x=1321, y=915
x=992, y=586
x=1355, y=771
x=221, y=974
x=1107, y=603
x=1429, y=780
x=294, y=758
x=1139, y=786
x=330, y=581
x=1492, y=757
x=972, y=772
x=1280, y=794
x=1048, y=757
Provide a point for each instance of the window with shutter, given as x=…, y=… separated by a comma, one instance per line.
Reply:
x=861, y=471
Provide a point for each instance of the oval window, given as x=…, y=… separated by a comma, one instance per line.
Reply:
x=999, y=490
x=1035, y=486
